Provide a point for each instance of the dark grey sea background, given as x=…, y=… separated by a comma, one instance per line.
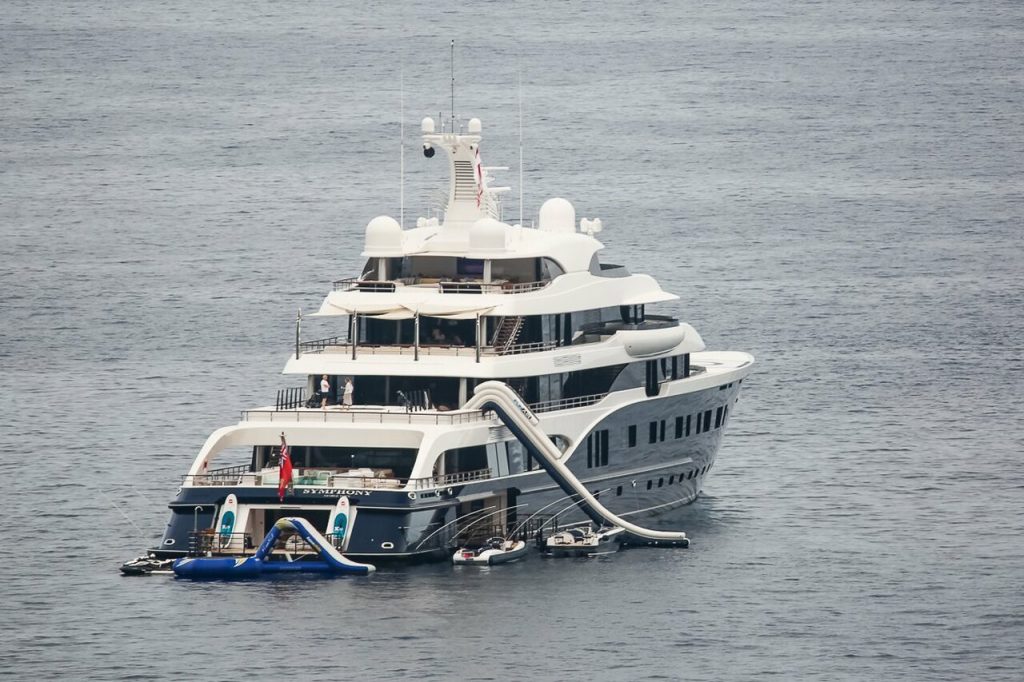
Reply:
x=837, y=188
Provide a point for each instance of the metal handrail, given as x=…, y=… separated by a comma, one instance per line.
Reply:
x=444, y=286
x=520, y=348
x=319, y=345
x=370, y=285
x=353, y=481
x=362, y=415
x=478, y=287
x=288, y=398
x=231, y=475
x=337, y=344
x=211, y=541
x=567, y=403
x=526, y=531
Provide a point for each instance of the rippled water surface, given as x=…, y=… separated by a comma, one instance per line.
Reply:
x=834, y=187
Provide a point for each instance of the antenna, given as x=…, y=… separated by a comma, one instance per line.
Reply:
x=519, y=78
x=453, y=85
x=401, y=172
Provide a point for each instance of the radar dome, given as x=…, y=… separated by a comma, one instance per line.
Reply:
x=487, y=234
x=557, y=215
x=383, y=237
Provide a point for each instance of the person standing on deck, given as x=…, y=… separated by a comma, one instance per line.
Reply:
x=325, y=390
x=346, y=400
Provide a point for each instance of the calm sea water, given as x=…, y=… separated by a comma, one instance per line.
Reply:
x=834, y=187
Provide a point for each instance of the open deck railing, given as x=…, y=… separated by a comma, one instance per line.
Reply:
x=443, y=286
x=449, y=479
x=290, y=398
x=567, y=403
x=356, y=284
x=340, y=344
x=210, y=541
x=527, y=529
x=381, y=414
x=224, y=476
x=319, y=345
x=362, y=415
x=334, y=479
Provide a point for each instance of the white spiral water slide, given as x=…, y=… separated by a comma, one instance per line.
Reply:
x=512, y=410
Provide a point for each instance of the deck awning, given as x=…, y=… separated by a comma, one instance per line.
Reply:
x=329, y=309
x=456, y=310
x=337, y=305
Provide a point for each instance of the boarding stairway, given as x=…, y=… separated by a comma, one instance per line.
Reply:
x=506, y=333
x=512, y=410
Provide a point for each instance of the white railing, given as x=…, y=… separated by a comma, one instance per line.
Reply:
x=444, y=286
x=361, y=415
x=330, y=478
x=339, y=345
x=567, y=403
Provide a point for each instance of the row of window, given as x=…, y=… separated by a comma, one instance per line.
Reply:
x=671, y=479
x=698, y=423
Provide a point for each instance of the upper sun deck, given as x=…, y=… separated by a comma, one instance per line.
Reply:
x=454, y=297
x=471, y=263
x=473, y=289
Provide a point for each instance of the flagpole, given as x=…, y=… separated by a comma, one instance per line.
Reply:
x=520, y=89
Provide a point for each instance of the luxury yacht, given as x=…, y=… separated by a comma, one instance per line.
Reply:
x=480, y=374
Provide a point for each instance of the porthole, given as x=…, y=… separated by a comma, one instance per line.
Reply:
x=691, y=474
x=618, y=491
x=661, y=481
x=671, y=479
x=169, y=541
x=650, y=484
x=387, y=545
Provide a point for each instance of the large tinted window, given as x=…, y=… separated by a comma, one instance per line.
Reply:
x=399, y=460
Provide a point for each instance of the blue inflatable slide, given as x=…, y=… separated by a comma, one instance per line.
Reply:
x=331, y=560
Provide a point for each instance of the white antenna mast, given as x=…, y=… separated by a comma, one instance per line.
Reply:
x=520, y=88
x=453, y=84
x=401, y=189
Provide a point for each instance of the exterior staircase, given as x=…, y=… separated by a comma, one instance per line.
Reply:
x=506, y=333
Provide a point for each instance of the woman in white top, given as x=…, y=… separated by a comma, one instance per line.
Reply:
x=346, y=399
x=325, y=391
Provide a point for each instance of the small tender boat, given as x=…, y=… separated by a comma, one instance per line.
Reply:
x=492, y=551
x=146, y=564
x=584, y=541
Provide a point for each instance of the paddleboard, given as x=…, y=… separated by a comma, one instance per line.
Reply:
x=342, y=518
x=228, y=518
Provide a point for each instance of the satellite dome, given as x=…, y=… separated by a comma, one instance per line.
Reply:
x=557, y=215
x=383, y=237
x=487, y=234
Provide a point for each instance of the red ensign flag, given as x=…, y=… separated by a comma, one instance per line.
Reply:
x=285, y=470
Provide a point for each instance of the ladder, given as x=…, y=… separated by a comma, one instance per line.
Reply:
x=506, y=332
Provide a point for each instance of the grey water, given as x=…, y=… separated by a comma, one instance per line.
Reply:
x=833, y=187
